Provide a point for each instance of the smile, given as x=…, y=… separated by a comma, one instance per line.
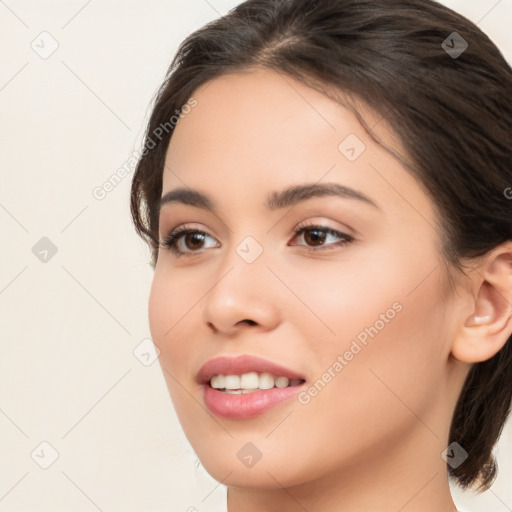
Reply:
x=245, y=386
x=250, y=382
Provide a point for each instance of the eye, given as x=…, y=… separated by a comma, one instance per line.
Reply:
x=183, y=241
x=192, y=239
x=316, y=235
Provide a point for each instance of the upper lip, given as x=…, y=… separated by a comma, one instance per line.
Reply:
x=242, y=364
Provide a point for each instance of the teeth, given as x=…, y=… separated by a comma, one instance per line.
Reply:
x=266, y=381
x=249, y=382
x=218, y=381
x=232, y=382
x=282, y=382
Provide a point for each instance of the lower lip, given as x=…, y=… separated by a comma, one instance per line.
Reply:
x=248, y=405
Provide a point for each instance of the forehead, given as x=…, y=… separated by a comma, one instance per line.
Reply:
x=263, y=130
x=263, y=111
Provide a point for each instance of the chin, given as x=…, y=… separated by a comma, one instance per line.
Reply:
x=246, y=468
x=263, y=477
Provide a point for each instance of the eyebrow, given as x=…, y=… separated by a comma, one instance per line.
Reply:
x=275, y=201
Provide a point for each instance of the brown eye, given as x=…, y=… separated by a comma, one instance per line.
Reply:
x=316, y=236
x=193, y=241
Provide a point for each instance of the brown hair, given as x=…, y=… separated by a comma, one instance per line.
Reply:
x=452, y=113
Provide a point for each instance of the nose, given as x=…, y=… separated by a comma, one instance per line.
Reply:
x=244, y=295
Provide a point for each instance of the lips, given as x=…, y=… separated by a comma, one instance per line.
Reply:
x=240, y=365
x=255, y=402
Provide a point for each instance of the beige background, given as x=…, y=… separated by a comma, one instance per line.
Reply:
x=74, y=366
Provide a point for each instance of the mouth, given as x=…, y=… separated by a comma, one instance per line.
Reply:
x=246, y=386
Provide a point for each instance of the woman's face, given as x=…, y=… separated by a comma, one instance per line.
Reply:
x=361, y=314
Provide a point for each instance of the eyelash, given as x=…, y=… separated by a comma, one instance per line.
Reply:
x=171, y=241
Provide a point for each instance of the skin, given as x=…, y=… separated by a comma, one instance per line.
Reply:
x=372, y=438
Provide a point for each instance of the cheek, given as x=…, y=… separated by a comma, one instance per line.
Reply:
x=341, y=302
x=380, y=331
x=363, y=292
x=394, y=349
x=167, y=309
x=157, y=309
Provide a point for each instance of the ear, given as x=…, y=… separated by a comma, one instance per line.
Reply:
x=486, y=330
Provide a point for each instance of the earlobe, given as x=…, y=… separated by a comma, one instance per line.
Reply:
x=489, y=326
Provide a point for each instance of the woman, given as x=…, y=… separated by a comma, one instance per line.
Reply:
x=325, y=188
